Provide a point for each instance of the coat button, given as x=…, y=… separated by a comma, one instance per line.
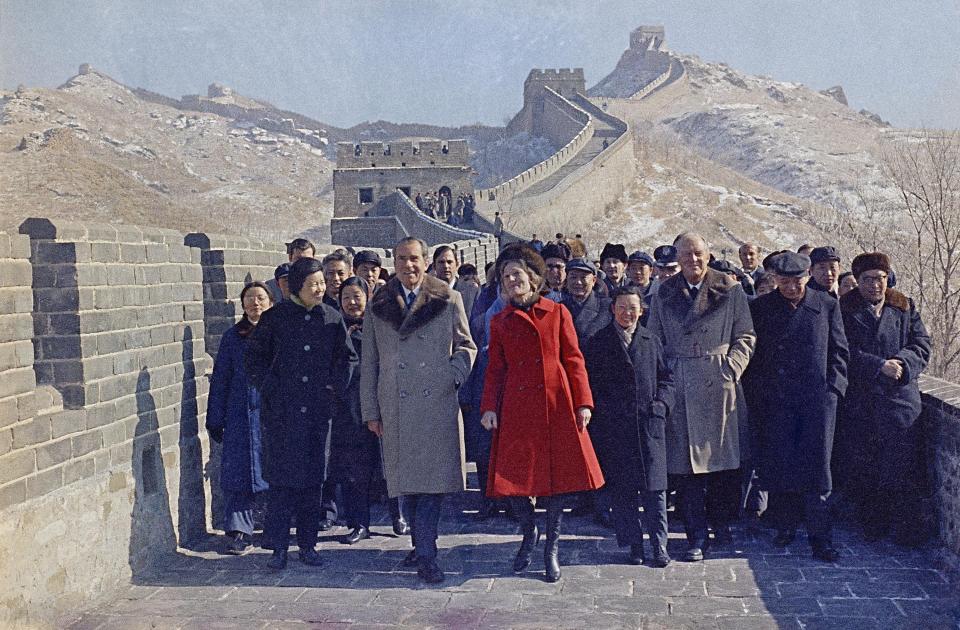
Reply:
x=305, y=379
x=402, y=365
x=306, y=348
x=421, y=336
x=422, y=364
x=403, y=394
x=540, y=386
x=303, y=410
x=306, y=318
x=426, y=393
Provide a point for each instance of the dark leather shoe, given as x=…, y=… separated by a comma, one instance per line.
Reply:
x=530, y=539
x=310, y=557
x=723, y=536
x=636, y=554
x=239, y=545
x=660, y=558
x=358, y=534
x=694, y=553
x=410, y=560
x=278, y=561
x=430, y=573
x=400, y=527
x=784, y=537
x=826, y=553
x=326, y=525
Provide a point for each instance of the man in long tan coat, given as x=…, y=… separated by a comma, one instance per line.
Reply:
x=702, y=318
x=417, y=351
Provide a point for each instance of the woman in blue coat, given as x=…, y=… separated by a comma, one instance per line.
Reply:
x=233, y=419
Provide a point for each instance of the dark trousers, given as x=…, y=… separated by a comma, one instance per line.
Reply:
x=626, y=503
x=238, y=511
x=707, y=498
x=423, y=511
x=356, y=497
x=754, y=499
x=792, y=508
x=892, y=481
x=303, y=504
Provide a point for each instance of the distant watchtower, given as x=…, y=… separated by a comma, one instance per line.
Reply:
x=369, y=171
x=647, y=38
x=564, y=81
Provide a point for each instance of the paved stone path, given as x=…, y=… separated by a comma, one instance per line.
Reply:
x=749, y=585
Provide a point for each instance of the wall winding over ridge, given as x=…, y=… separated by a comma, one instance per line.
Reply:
x=105, y=468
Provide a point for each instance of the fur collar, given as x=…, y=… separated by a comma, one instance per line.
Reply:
x=853, y=301
x=714, y=290
x=388, y=304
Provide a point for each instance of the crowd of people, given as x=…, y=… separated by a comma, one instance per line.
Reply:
x=761, y=391
x=441, y=206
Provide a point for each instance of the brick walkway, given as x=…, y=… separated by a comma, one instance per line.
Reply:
x=748, y=585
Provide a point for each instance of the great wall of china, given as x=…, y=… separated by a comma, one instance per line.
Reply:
x=107, y=335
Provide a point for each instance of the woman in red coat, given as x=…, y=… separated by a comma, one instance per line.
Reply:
x=537, y=400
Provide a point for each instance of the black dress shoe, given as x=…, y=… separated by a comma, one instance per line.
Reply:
x=723, y=536
x=825, y=552
x=694, y=553
x=410, y=560
x=636, y=554
x=400, y=527
x=278, y=561
x=355, y=536
x=326, y=525
x=239, y=545
x=430, y=573
x=784, y=537
x=310, y=557
x=660, y=558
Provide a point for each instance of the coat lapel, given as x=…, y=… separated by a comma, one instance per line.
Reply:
x=389, y=305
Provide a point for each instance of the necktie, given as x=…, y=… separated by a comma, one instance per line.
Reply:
x=693, y=293
x=410, y=299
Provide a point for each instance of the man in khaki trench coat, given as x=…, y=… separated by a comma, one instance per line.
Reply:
x=702, y=317
x=417, y=351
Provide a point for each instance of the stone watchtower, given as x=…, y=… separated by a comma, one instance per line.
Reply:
x=369, y=171
x=647, y=38
x=564, y=81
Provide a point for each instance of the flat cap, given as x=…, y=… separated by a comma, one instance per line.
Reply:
x=639, y=256
x=790, y=264
x=823, y=254
x=282, y=271
x=367, y=256
x=581, y=264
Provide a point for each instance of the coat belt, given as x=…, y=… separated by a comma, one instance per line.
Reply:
x=697, y=352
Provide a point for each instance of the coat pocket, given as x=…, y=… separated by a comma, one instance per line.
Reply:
x=656, y=426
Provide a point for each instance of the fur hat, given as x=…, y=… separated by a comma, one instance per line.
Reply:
x=869, y=261
x=522, y=252
x=552, y=250
x=614, y=250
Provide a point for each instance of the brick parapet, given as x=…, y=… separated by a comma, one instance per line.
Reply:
x=940, y=424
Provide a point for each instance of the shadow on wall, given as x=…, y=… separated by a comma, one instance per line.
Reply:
x=191, y=504
x=151, y=528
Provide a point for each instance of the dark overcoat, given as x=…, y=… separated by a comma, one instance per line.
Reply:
x=535, y=382
x=797, y=373
x=899, y=333
x=233, y=407
x=299, y=360
x=354, y=449
x=589, y=317
x=628, y=438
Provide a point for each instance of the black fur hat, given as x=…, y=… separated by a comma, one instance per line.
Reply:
x=868, y=261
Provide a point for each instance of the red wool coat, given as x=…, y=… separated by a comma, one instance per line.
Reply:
x=535, y=381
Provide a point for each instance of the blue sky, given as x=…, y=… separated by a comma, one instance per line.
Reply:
x=457, y=62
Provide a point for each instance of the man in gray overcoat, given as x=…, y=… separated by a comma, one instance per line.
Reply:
x=703, y=320
x=417, y=351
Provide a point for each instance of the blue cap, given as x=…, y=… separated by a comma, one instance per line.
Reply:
x=282, y=271
x=823, y=254
x=581, y=264
x=639, y=256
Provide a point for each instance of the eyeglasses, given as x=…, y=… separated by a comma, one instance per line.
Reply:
x=879, y=279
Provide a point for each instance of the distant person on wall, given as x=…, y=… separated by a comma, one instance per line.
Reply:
x=633, y=393
x=536, y=243
x=299, y=359
x=498, y=227
x=417, y=351
x=233, y=420
x=537, y=398
x=418, y=200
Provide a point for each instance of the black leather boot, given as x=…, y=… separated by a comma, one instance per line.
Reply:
x=551, y=550
x=531, y=536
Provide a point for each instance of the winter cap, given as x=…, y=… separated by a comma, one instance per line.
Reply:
x=790, y=264
x=614, y=250
x=823, y=254
x=870, y=261
x=581, y=264
x=366, y=256
x=643, y=257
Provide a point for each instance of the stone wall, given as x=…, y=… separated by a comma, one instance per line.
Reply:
x=402, y=154
x=347, y=183
x=941, y=424
x=362, y=232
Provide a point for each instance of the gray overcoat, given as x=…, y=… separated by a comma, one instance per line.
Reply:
x=707, y=343
x=412, y=364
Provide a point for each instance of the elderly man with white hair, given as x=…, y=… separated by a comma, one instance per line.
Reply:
x=703, y=320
